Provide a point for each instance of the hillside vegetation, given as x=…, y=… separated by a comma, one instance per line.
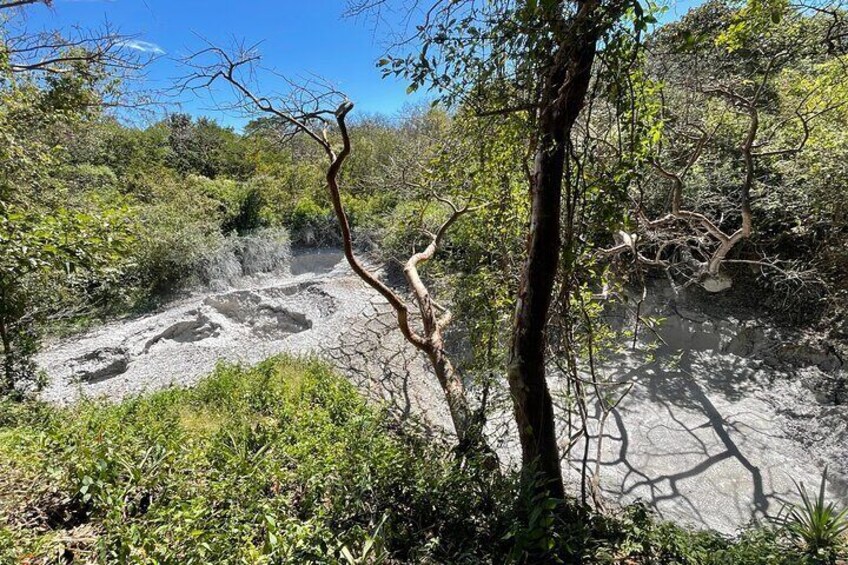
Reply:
x=569, y=155
x=284, y=463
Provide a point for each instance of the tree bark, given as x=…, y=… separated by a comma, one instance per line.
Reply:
x=8, y=361
x=563, y=96
x=748, y=157
x=431, y=343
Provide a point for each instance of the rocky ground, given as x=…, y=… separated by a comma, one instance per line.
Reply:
x=713, y=432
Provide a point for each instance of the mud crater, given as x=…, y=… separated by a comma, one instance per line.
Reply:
x=187, y=331
x=99, y=365
x=266, y=318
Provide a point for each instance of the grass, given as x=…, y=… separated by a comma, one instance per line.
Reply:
x=284, y=463
x=279, y=463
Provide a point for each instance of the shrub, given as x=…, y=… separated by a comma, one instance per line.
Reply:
x=177, y=228
x=173, y=245
x=99, y=179
x=312, y=224
x=277, y=464
x=239, y=204
x=261, y=251
x=249, y=212
x=816, y=525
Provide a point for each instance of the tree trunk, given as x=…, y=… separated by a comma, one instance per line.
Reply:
x=564, y=92
x=468, y=431
x=748, y=156
x=454, y=391
x=8, y=369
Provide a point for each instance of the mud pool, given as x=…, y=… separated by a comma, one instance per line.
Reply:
x=713, y=434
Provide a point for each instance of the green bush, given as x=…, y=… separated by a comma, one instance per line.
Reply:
x=285, y=463
x=816, y=525
x=176, y=234
x=249, y=214
x=311, y=223
x=98, y=179
x=239, y=204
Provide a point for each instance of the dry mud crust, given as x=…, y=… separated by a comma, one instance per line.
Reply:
x=724, y=419
x=184, y=341
x=713, y=433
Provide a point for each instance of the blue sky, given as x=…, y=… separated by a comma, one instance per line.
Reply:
x=298, y=36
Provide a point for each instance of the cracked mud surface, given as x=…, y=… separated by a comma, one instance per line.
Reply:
x=725, y=417
x=713, y=433
x=183, y=342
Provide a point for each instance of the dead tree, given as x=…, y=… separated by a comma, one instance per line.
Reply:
x=689, y=243
x=307, y=112
x=97, y=54
x=12, y=4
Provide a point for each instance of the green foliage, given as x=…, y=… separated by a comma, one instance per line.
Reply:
x=408, y=224
x=45, y=256
x=635, y=536
x=311, y=222
x=239, y=204
x=285, y=463
x=176, y=230
x=479, y=266
x=65, y=231
x=815, y=524
x=280, y=463
x=489, y=55
x=204, y=148
x=722, y=69
x=372, y=551
x=249, y=214
x=755, y=20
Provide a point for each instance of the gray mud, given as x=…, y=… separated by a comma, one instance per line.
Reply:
x=713, y=433
x=723, y=419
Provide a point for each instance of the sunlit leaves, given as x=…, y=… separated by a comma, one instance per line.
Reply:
x=756, y=20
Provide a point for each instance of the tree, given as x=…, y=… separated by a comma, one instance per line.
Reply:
x=733, y=86
x=42, y=254
x=203, y=147
x=536, y=59
x=85, y=56
x=49, y=82
x=309, y=112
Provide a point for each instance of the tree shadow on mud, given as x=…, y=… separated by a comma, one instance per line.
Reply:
x=388, y=372
x=695, y=448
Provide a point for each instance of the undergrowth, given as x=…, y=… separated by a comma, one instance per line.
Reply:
x=284, y=463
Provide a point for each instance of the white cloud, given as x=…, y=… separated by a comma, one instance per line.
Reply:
x=143, y=46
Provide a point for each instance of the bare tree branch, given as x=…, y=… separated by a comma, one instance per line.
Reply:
x=307, y=112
